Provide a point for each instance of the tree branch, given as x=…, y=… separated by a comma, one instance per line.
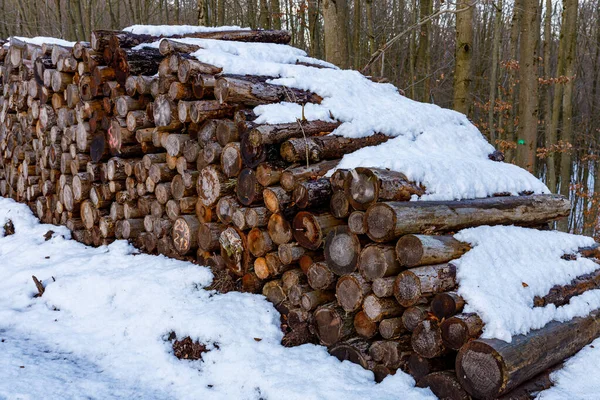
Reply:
x=377, y=55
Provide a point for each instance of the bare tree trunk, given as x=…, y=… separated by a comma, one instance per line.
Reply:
x=528, y=91
x=302, y=26
x=356, y=34
x=276, y=14
x=494, y=73
x=202, y=13
x=423, y=53
x=514, y=47
x=550, y=135
x=252, y=13
x=314, y=28
x=566, y=166
x=336, y=32
x=464, y=54
x=265, y=15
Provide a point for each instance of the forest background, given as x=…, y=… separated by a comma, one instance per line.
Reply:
x=526, y=72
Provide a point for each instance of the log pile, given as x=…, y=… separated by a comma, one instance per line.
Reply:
x=158, y=148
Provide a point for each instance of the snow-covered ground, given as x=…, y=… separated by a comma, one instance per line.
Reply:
x=100, y=329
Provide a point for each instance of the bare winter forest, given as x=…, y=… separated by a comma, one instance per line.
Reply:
x=526, y=72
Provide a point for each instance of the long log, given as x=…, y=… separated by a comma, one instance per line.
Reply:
x=488, y=368
x=365, y=186
x=310, y=229
x=315, y=149
x=292, y=176
x=277, y=133
x=415, y=250
x=560, y=295
x=444, y=385
x=378, y=261
x=388, y=221
x=254, y=91
x=425, y=281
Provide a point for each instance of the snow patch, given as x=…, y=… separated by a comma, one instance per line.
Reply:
x=508, y=266
x=103, y=321
x=40, y=40
x=175, y=30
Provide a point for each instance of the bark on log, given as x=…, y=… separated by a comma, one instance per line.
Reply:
x=320, y=276
x=365, y=186
x=488, y=368
x=310, y=229
x=427, y=340
x=254, y=91
x=415, y=250
x=378, y=261
x=387, y=221
x=426, y=281
x=459, y=329
x=364, y=326
x=277, y=133
x=445, y=305
x=413, y=316
x=313, y=193
x=292, y=176
x=315, y=149
x=379, y=308
x=561, y=295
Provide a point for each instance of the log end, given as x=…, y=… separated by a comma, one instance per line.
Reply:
x=480, y=371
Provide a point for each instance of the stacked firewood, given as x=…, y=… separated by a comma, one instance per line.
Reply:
x=154, y=146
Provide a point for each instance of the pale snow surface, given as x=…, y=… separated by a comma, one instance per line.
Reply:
x=436, y=147
x=175, y=30
x=40, y=40
x=99, y=330
x=508, y=266
x=579, y=378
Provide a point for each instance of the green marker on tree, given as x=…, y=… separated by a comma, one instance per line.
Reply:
x=521, y=141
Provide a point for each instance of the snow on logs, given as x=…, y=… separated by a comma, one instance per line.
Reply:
x=158, y=148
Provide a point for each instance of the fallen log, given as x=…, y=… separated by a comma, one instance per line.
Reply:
x=330, y=147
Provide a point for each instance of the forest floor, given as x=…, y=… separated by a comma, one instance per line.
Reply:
x=103, y=329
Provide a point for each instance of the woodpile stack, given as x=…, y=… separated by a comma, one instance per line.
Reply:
x=161, y=149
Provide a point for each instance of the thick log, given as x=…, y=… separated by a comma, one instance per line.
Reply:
x=364, y=326
x=445, y=305
x=342, y=250
x=459, y=329
x=248, y=190
x=208, y=236
x=292, y=176
x=378, y=261
x=234, y=251
x=351, y=290
x=189, y=67
x=388, y=221
x=488, y=368
x=254, y=91
x=277, y=133
x=273, y=291
x=425, y=281
x=310, y=229
x=169, y=46
x=315, y=149
x=268, y=174
x=415, y=250
x=226, y=131
x=185, y=234
x=355, y=350
x=226, y=207
x=365, y=186
x=276, y=198
x=378, y=308
x=231, y=160
x=313, y=193
x=212, y=185
x=320, y=276
x=444, y=385
x=413, y=316
x=312, y=299
x=333, y=324
x=427, y=340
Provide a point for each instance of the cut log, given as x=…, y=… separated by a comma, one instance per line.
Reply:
x=366, y=186
x=292, y=176
x=342, y=250
x=231, y=159
x=379, y=308
x=413, y=316
x=320, y=276
x=273, y=291
x=185, y=234
x=208, y=236
x=312, y=299
x=277, y=133
x=445, y=305
x=419, y=367
x=338, y=205
x=254, y=91
x=384, y=287
x=378, y=261
x=392, y=328
x=351, y=290
x=313, y=193
x=427, y=340
x=356, y=222
x=388, y=221
x=415, y=250
x=444, y=385
x=333, y=324
x=488, y=368
x=426, y=281
x=212, y=185
x=364, y=326
x=315, y=149
x=248, y=190
x=355, y=350
x=268, y=174
x=279, y=229
x=275, y=198
x=234, y=251
x=310, y=229
x=226, y=206
x=259, y=242
x=460, y=329
x=392, y=354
